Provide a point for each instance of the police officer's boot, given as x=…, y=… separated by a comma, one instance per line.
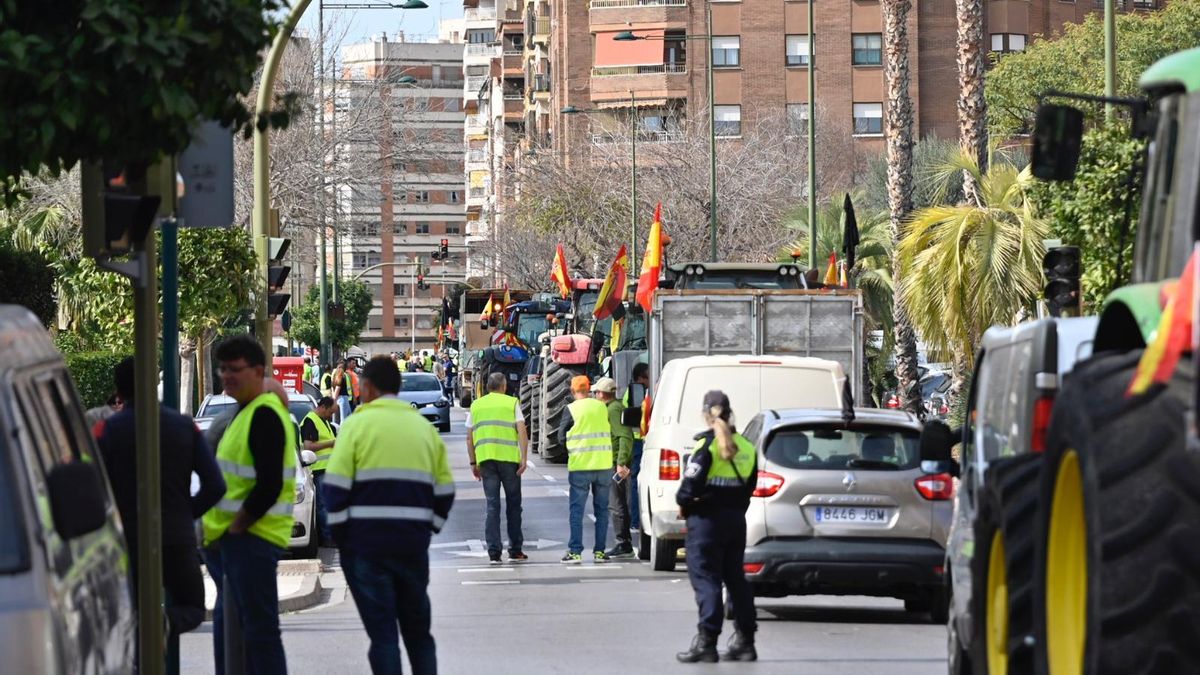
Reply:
x=740, y=648
x=704, y=649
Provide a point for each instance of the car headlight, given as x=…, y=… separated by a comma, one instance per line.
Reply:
x=299, y=493
x=442, y=402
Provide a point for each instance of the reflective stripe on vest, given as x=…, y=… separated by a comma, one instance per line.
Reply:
x=237, y=467
x=324, y=434
x=589, y=442
x=494, y=428
x=724, y=472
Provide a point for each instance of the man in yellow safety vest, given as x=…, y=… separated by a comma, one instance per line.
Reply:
x=498, y=446
x=247, y=531
x=317, y=435
x=588, y=435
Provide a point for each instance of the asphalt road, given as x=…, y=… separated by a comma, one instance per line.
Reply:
x=545, y=617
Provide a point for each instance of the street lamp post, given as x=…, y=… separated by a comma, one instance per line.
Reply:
x=412, y=293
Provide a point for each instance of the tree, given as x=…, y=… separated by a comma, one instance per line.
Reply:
x=898, y=132
x=124, y=80
x=1074, y=61
x=354, y=295
x=971, y=266
x=27, y=279
x=972, y=106
x=928, y=154
x=1090, y=211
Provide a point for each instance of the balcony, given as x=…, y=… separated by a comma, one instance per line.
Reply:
x=479, y=14
x=541, y=29
x=613, y=4
x=485, y=49
x=477, y=193
x=541, y=83
x=644, y=136
x=476, y=156
x=633, y=12
x=475, y=83
x=658, y=69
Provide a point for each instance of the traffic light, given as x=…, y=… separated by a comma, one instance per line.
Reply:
x=1062, y=292
x=444, y=249
x=421, y=285
x=120, y=203
x=277, y=274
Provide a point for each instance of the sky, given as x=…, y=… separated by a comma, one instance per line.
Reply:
x=363, y=23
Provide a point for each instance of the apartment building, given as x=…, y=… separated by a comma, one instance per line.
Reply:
x=398, y=220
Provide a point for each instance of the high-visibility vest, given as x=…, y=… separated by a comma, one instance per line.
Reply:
x=732, y=472
x=327, y=384
x=237, y=467
x=324, y=433
x=494, y=428
x=589, y=442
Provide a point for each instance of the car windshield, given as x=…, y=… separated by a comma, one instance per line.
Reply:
x=13, y=554
x=835, y=447
x=530, y=326
x=214, y=409
x=715, y=280
x=299, y=407
x=419, y=382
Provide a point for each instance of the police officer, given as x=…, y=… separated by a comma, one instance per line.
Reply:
x=317, y=435
x=389, y=488
x=714, y=496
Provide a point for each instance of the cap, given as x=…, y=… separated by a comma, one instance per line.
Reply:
x=605, y=385
x=716, y=397
x=580, y=383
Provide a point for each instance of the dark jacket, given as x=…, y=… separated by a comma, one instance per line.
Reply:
x=697, y=497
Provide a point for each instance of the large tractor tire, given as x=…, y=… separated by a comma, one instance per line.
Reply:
x=528, y=406
x=534, y=421
x=1116, y=582
x=556, y=393
x=1002, y=567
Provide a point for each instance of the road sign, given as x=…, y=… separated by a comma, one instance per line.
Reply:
x=206, y=167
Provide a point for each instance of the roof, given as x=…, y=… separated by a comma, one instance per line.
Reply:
x=757, y=360
x=679, y=268
x=1180, y=70
x=862, y=416
x=23, y=339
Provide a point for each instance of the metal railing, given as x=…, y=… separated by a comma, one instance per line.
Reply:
x=643, y=136
x=476, y=156
x=474, y=82
x=541, y=26
x=476, y=193
x=605, y=4
x=483, y=49
x=658, y=69
x=479, y=13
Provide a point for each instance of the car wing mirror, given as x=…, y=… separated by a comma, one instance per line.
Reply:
x=77, y=499
x=1057, y=136
x=308, y=458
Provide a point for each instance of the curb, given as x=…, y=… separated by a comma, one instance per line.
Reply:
x=310, y=592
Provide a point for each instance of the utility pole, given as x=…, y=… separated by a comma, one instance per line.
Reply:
x=323, y=297
x=712, y=142
x=812, y=143
x=633, y=123
x=1110, y=55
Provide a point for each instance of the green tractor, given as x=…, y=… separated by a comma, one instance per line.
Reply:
x=1108, y=582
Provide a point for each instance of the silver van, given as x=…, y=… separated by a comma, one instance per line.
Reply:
x=65, y=602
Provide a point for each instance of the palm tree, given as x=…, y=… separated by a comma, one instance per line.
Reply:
x=898, y=130
x=973, y=265
x=972, y=109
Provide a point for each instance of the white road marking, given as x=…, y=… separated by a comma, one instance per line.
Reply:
x=491, y=582
x=530, y=463
x=550, y=478
x=609, y=581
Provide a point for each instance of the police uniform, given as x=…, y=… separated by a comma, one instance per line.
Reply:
x=714, y=496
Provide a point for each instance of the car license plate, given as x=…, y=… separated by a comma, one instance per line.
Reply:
x=864, y=515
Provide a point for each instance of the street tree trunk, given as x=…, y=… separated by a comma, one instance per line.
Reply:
x=187, y=380
x=898, y=131
x=972, y=109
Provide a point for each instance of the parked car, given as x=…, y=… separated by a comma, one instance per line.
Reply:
x=846, y=508
x=214, y=405
x=65, y=599
x=752, y=383
x=424, y=392
x=1017, y=373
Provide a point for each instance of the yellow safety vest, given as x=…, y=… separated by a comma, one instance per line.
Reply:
x=494, y=428
x=734, y=472
x=324, y=433
x=237, y=467
x=589, y=442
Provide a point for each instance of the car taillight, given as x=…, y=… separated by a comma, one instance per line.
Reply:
x=936, y=487
x=668, y=464
x=944, y=409
x=768, y=484
x=893, y=402
x=753, y=568
x=1041, y=423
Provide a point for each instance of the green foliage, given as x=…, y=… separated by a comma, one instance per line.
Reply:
x=343, y=333
x=216, y=275
x=27, y=279
x=1089, y=211
x=93, y=375
x=122, y=79
x=1074, y=61
x=928, y=154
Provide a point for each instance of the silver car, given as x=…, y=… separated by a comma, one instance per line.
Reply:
x=424, y=392
x=846, y=509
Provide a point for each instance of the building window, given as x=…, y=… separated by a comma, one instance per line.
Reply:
x=797, y=50
x=725, y=51
x=453, y=228
x=478, y=37
x=422, y=228
x=365, y=229
x=728, y=120
x=420, y=197
x=400, y=322
x=868, y=119
x=868, y=49
x=365, y=259
x=452, y=105
x=400, y=228
x=797, y=117
x=400, y=290
x=453, y=197
x=374, y=323
x=1008, y=42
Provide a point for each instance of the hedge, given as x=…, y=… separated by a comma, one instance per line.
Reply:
x=26, y=279
x=93, y=375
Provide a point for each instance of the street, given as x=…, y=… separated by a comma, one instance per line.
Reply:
x=545, y=617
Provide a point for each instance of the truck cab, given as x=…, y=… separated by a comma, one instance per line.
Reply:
x=732, y=276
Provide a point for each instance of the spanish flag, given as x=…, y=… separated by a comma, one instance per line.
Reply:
x=486, y=314
x=613, y=290
x=651, y=263
x=615, y=340
x=1174, y=334
x=831, y=274
x=558, y=272
x=507, y=296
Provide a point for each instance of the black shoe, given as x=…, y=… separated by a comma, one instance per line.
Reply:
x=494, y=557
x=619, y=551
x=518, y=557
x=740, y=648
x=703, y=650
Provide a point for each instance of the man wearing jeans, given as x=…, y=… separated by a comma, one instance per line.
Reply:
x=588, y=435
x=247, y=531
x=388, y=489
x=498, y=446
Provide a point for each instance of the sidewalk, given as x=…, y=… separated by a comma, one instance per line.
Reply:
x=298, y=581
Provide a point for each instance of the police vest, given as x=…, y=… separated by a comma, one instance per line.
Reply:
x=589, y=442
x=725, y=472
x=324, y=433
x=237, y=467
x=494, y=428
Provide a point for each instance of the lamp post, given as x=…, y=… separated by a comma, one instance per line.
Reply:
x=625, y=36
x=412, y=293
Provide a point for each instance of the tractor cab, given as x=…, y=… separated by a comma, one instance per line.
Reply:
x=732, y=276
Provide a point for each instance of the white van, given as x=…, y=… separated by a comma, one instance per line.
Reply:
x=752, y=384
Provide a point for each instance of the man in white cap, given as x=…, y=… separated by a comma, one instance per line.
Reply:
x=605, y=390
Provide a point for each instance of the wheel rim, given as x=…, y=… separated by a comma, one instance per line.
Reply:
x=1066, y=571
x=997, y=608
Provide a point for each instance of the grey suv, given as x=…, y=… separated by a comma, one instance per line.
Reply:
x=846, y=509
